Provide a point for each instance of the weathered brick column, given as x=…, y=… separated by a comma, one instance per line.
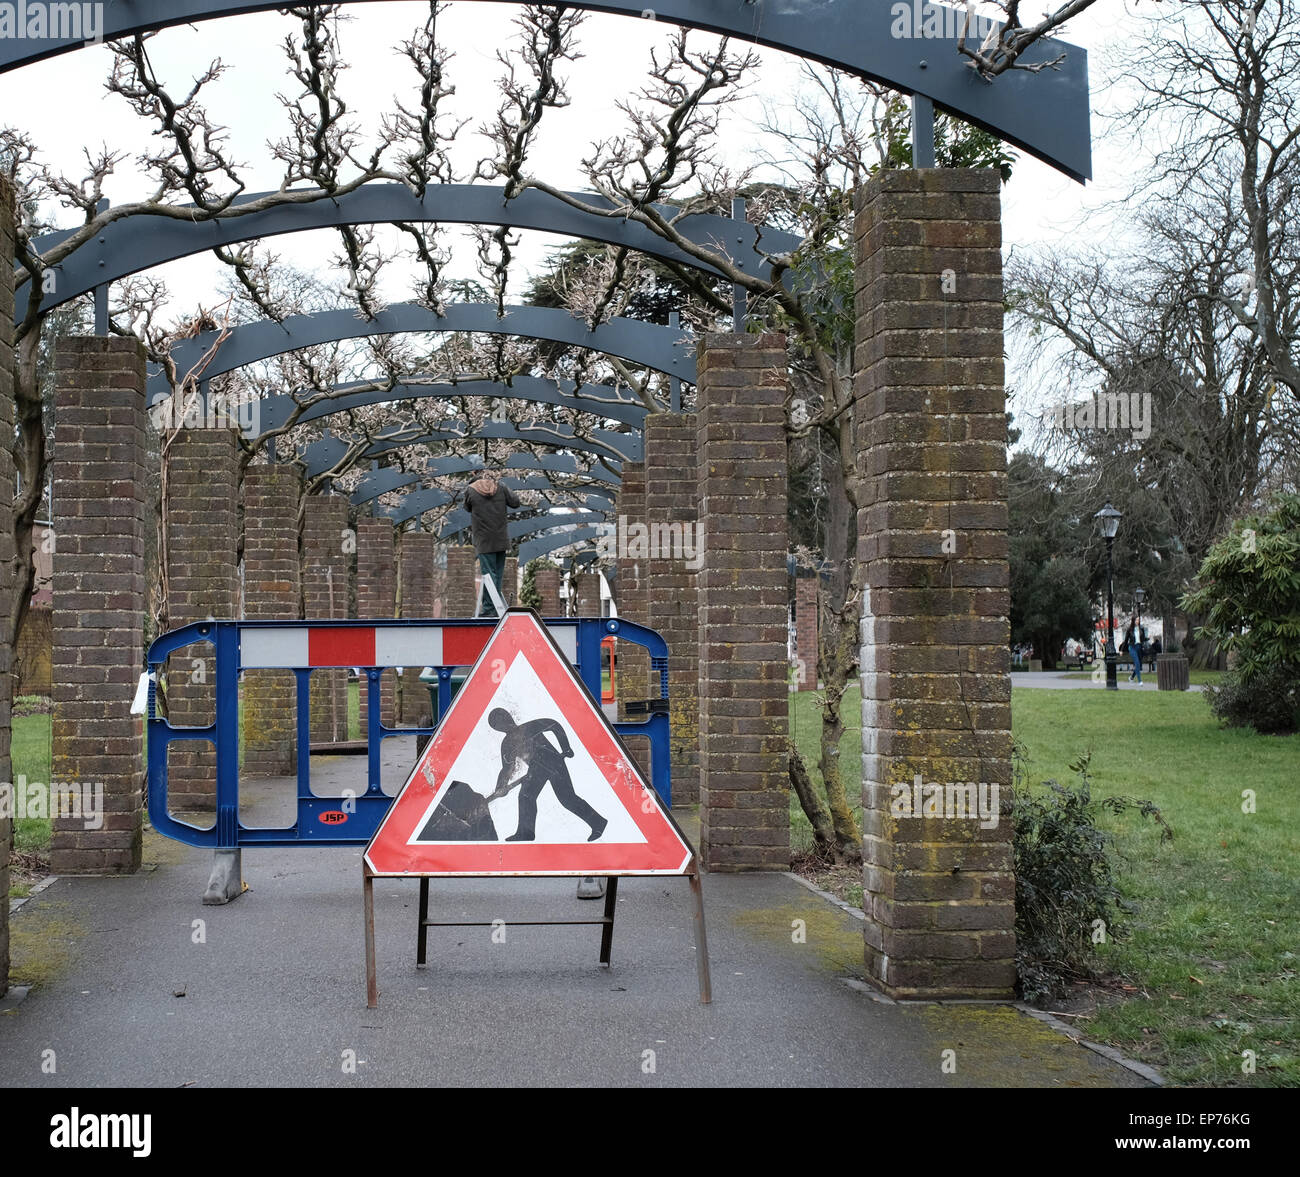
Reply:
x=671, y=567
x=805, y=631
x=631, y=585
x=377, y=598
x=588, y=587
x=461, y=592
x=202, y=581
x=548, y=588
x=932, y=539
x=511, y=580
x=327, y=552
x=416, y=579
x=272, y=592
x=99, y=597
x=6, y=547
x=744, y=708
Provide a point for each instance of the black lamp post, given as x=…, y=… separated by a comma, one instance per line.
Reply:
x=1108, y=523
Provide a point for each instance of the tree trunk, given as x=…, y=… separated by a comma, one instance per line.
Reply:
x=811, y=803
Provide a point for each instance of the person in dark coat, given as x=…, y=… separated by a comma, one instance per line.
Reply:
x=487, y=501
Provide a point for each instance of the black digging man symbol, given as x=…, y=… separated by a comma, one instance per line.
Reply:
x=529, y=762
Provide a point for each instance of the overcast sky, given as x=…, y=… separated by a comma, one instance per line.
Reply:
x=74, y=113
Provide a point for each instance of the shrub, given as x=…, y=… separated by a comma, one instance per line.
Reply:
x=529, y=596
x=1267, y=699
x=1065, y=880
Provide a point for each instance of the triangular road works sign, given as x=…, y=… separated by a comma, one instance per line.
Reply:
x=525, y=776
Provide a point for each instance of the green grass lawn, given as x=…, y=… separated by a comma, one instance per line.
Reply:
x=1214, y=945
x=31, y=759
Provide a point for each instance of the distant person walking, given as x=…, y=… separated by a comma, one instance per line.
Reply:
x=487, y=501
x=1132, y=644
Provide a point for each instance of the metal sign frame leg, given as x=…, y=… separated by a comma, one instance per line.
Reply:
x=368, y=902
x=701, y=938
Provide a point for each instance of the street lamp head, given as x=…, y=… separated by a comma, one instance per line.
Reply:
x=1140, y=594
x=1108, y=521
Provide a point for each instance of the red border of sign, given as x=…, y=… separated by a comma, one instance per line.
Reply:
x=666, y=850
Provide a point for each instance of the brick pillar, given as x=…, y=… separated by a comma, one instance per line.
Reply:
x=202, y=581
x=327, y=548
x=930, y=403
x=416, y=579
x=6, y=546
x=511, y=581
x=588, y=601
x=272, y=592
x=744, y=705
x=376, y=599
x=673, y=559
x=633, y=661
x=805, y=631
x=99, y=597
x=548, y=588
x=461, y=590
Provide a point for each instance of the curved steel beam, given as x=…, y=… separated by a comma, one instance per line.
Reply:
x=323, y=455
x=376, y=483
x=645, y=344
x=1046, y=114
x=274, y=411
x=459, y=521
x=419, y=502
x=550, y=543
x=142, y=241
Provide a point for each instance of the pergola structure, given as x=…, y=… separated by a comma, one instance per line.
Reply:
x=929, y=404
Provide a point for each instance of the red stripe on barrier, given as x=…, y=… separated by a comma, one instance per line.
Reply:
x=461, y=645
x=340, y=647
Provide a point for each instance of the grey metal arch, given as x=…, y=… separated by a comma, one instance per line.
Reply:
x=1046, y=114
x=417, y=502
x=459, y=521
x=557, y=464
x=599, y=399
x=141, y=241
x=645, y=344
x=323, y=455
x=375, y=483
x=550, y=543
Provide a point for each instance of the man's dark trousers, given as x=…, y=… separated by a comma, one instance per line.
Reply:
x=491, y=564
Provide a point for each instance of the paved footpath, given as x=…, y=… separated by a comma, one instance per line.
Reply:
x=275, y=994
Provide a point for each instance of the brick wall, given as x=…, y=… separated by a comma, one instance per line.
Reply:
x=328, y=547
x=630, y=587
x=99, y=595
x=6, y=548
x=416, y=583
x=671, y=513
x=461, y=585
x=805, y=632
x=33, y=649
x=511, y=580
x=376, y=599
x=202, y=581
x=744, y=708
x=548, y=588
x=930, y=405
x=272, y=592
x=588, y=593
